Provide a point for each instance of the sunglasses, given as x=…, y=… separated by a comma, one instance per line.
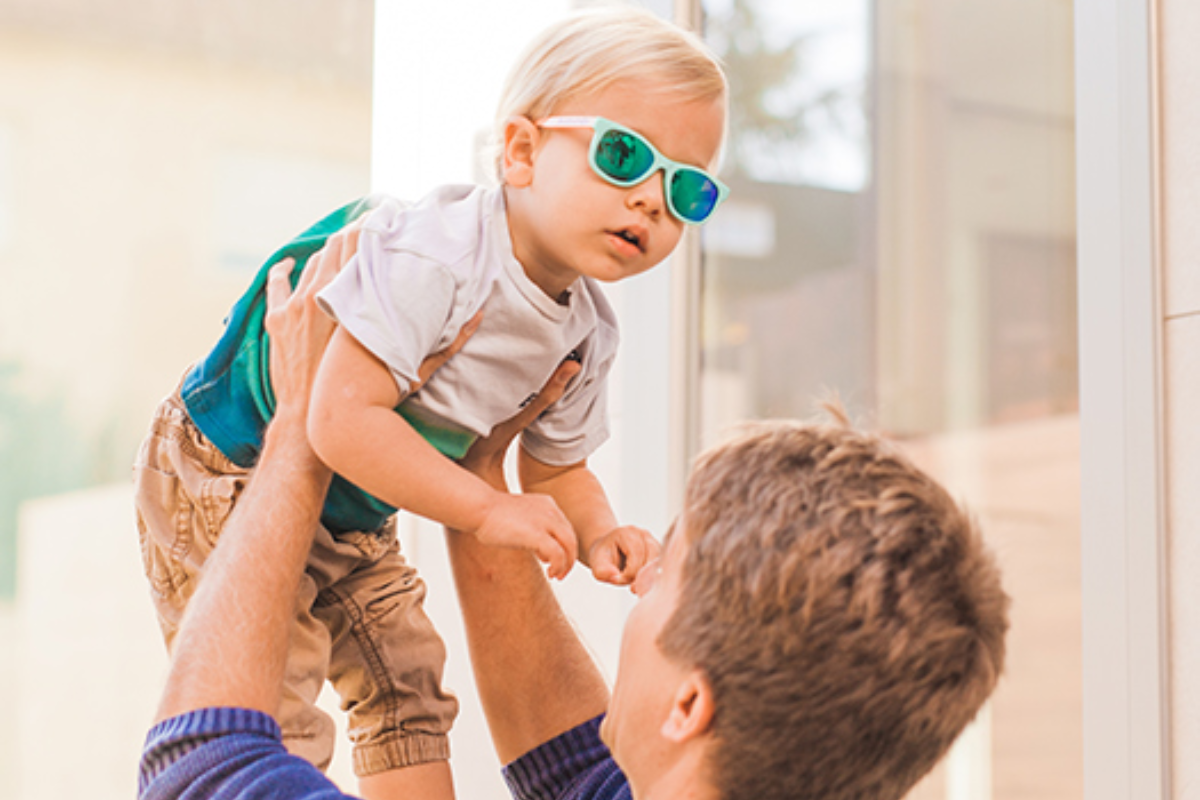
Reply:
x=626, y=158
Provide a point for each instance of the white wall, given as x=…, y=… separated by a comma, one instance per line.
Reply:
x=89, y=660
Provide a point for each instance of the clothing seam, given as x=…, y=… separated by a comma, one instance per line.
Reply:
x=370, y=650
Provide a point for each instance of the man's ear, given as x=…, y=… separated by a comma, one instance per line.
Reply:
x=692, y=709
x=521, y=139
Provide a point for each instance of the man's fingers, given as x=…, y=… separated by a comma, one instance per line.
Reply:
x=324, y=264
x=495, y=444
x=316, y=262
x=467, y=331
x=344, y=246
x=553, y=390
x=279, y=287
x=548, y=396
x=434, y=362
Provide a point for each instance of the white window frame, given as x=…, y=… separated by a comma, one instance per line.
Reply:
x=1125, y=660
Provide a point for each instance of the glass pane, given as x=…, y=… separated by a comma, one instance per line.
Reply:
x=151, y=155
x=901, y=233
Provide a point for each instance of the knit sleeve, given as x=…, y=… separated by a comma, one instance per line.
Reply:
x=231, y=753
x=573, y=766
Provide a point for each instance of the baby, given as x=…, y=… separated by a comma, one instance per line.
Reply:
x=605, y=132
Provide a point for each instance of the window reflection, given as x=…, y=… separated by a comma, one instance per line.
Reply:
x=145, y=149
x=901, y=233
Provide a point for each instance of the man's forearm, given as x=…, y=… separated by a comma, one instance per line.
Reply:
x=232, y=648
x=535, y=678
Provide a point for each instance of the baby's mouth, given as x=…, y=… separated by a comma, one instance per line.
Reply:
x=630, y=237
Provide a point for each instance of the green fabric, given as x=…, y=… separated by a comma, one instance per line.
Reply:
x=228, y=393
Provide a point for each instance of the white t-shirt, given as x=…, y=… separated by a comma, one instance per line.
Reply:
x=422, y=271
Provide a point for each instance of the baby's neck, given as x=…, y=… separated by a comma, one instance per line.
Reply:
x=555, y=285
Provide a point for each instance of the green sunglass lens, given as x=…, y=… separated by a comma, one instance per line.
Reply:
x=623, y=157
x=693, y=195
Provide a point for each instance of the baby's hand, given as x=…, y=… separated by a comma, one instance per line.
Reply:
x=533, y=522
x=618, y=556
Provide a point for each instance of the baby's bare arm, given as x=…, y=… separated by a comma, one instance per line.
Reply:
x=613, y=553
x=577, y=491
x=355, y=430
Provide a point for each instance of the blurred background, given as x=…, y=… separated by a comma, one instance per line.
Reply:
x=901, y=233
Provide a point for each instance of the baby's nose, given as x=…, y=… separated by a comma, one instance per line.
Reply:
x=648, y=195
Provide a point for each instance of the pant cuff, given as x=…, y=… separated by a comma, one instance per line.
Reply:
x=400, y=749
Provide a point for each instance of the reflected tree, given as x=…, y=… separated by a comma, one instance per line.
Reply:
x=41, y=453
x=773, y=115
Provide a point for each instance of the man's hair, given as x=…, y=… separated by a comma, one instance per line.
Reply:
x=589, y=50
x=843, y=608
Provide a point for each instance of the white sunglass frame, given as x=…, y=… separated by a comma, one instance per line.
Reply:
x=600, y=126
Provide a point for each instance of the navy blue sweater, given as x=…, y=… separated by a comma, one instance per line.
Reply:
x=238, y=754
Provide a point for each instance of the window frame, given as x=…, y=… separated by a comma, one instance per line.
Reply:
x=1124, y=582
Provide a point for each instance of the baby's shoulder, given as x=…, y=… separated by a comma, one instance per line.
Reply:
x=450, y=228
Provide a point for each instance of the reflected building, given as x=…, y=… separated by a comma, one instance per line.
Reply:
x=901, y=234
x=150, y=155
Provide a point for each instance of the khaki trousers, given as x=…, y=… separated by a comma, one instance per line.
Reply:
x=359, y=622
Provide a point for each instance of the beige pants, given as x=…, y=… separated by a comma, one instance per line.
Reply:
x=359, y=621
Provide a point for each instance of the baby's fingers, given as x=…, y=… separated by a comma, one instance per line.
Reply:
x=554, y=551
x=638, y=548
x=608, y=563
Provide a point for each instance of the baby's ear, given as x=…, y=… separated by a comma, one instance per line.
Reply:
x=520, y=143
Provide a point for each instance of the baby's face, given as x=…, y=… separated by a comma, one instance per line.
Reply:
x=570, y=222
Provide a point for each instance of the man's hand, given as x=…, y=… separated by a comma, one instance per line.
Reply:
x=486, y=456
x=620, y=554
x=299, y=330
x=533, y=522
x=535, y=677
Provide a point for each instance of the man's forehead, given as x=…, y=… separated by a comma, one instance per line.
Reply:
x=672, y=530
x=675, y=531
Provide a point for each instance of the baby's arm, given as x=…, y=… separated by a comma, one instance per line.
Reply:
x=355, y=430
x=614, y=553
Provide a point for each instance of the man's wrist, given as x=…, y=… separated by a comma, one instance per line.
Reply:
x=288, y=431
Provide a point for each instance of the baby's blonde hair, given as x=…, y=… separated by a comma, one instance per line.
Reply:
x=587, y=51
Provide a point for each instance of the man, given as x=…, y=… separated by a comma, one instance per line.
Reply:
x=823, y=623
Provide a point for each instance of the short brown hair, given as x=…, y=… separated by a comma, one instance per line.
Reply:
x=843, y=608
